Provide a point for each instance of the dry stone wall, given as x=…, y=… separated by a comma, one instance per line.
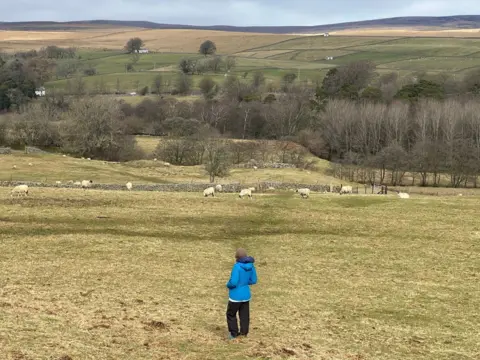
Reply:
x=183, y=187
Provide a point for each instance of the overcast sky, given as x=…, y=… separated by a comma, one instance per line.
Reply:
x=231, y=12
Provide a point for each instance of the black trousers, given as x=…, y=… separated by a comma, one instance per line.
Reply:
x=243, y=308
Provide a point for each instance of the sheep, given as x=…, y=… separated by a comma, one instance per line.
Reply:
x=209, y=191
x=64, y=155
x=255, y=167
x=244, y=192
x=89, y=159
x=218, y=188
x=30, y=164
x=403, y=195
x=77, y=183
x=346, y=190
x=304, y=193
x=86, y=184
x=155, y=159
x=167, y=164
x=20, y=190
x=58, y=182
x=14, y=167
x=129, y=186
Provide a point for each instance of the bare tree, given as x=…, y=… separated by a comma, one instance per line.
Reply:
x=217, y=161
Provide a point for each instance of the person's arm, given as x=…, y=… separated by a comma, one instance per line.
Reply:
x=253, y=277
x=234, y=278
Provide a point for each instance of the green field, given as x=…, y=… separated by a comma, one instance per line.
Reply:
x=306, y=54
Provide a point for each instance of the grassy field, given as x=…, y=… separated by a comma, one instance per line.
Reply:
x=401, y=50
x=52, y=168
x=119, y=275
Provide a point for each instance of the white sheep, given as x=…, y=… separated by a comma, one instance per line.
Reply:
x=244, y=192
x=64, y=155
x=167, y=164
x=304, y=193
x=77, y=183
x=403, y=195
x=218, y=188
x=89, y=159
x=209, y=191
x=346, y=190
x=14, y=167
x=255, y=167
x=155, y=159
x=58, y=182
x=30, y=164
x=86, y=184
x=129, y=186
x=20, y=190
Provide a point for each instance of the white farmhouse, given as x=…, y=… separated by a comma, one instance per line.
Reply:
x=142, y=51
x=40, y=91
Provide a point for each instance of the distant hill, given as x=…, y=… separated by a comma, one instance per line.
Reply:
x=451, y=22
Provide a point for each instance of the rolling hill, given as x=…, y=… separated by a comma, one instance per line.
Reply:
x=451, y=22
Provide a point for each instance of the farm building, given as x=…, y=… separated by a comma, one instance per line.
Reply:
x=142, y=51
x=40, y=91
x=326, y=34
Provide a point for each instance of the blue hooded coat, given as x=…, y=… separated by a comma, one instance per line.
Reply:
x=243, y=275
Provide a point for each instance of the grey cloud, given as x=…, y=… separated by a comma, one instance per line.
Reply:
x=230, y=12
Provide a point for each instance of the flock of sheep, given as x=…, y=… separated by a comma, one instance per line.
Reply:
x=22, y=190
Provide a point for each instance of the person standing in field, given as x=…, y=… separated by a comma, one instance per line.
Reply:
x=243, y=275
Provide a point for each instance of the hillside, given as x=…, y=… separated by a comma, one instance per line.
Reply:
x=458, y=21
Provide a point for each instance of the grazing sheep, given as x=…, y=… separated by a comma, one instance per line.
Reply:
x=246, y=192
x=255, y=167
x=166, y=164
x=346, y=190
x=86, y=184
x=58, y=182
x=77, y=183
x=30, y=164
x=304, y=193
x=129, y=186
x=403, y=195
x=64, y=155
x=89, y=159
x=209, y=191
x=218, y=188
x=14, y=167
x=155, y=159
x=20, y=190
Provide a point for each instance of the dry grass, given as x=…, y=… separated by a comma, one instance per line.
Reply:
x=427, y=32
x=118, y=275
x=183, y=41
x=52, y=168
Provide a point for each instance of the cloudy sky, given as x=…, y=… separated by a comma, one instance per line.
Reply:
x=231, y=12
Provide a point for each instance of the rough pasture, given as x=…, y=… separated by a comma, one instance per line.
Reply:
x=133, y=275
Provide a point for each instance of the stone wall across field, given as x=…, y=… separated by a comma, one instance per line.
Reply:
x=184, y=187
x=5, y=151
